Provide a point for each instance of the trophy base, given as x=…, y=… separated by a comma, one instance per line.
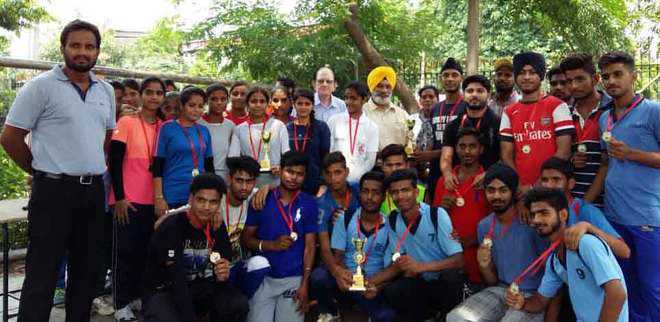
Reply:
x=265, y=170
x=357, y=289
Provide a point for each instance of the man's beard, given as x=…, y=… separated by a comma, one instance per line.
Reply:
x=503, y=209
x=81, y=68
x=477, y=107
x=530, y=91
x=503, y=88
x=380, y=100
x=555, y=227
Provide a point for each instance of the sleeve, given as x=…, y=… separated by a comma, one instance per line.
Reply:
x=439, y=192
x=448, y=245
x=208, y=151
x=157, y=167
x=28, y=106
x=116, y=164
x=595, y=217
x=325, y=140
x=162, y=141
x=323, y=217
x=111, y=123
x=234, y=144
x=391, y=247
x=331, y=128
x=222, y=243
x=449, y=136
x=338, y=241
x=550, y=283
x=506, y=132
x=311, y=212
x=208, y=164
x=481, y=230
x=122, y=132
x=597, y=257
x=372, y=143
x=655, y=120
x=253, y=216
x=563, y=122
x=602, y=126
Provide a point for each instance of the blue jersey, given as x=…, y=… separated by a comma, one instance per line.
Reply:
x=631, y=188
x=174, y=147
x=581, y=210
x=328, y=204
x=584, y=273
x=424, y=243
x=270, y=225
x=514, y=249
x=375, y=247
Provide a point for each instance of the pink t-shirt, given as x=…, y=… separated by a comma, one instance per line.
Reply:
x=140, y=139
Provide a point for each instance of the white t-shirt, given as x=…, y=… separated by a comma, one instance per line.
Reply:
x=221, y=134
x=365, y=148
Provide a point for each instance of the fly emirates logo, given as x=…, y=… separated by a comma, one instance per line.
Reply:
x=530, y=133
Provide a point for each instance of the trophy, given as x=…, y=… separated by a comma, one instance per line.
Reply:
x=358, y=257
x=410, y=145
x=265, y=162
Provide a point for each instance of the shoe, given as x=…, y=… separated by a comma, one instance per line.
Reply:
x=136, y=305
x=102, y=306
x=59, y=296
x=125, y=314
x=327, y=317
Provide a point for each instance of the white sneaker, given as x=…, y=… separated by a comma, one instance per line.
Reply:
x=102, y=306
x=125, y=314
x=327, y=317
x=136, y=305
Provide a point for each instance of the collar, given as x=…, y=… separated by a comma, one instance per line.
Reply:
x=370, y=105
x=58, y=70
x=317, y=101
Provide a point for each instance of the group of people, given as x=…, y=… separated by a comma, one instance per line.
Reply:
x=250, y=204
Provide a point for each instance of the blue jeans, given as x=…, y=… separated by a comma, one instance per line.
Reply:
x=641, y=271
x=323, y=288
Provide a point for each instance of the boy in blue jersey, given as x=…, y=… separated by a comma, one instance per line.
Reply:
x=427, y=260
x=595, y=281
x=284, y=232
x=630, y=134
x=337, y=197
x=583, y=217
x=367, y=222
x=508, y=246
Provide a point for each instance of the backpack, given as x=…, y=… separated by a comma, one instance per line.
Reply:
x=395, y=213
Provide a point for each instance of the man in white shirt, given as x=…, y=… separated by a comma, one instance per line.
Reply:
x=390, y=119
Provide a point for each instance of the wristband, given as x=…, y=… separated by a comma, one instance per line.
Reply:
x=261, y=242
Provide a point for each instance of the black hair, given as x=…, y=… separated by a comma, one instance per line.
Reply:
x=188, y=92
x=467, y=131
x=333, y=158
x=392, y=150
x=236, y=84
x=360, y=88
x=152, y=79
x=131, y=83
x=257, y=89
x=435, y=90
x=208, y=180
x=554, y=197
x=373, y=176
x=481, y=79
x=304, y=92
x=78, y=25
x=294, y=158
x=582, y=61
x=615, y=57
x=288, y=83
x=169, y=82
x=117, y=85
x=216, y=87
x=552, y=72
x=243, y=163
x=400, y=175
x=559, y=164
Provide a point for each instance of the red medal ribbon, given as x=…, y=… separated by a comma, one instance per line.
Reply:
x=210, y=242
x=202, y=146
x=400, y=241
x=610, y=118
x=287, y=217
x=295, y=137
x=240, y=214
x=255, y=154
x=465, y=117
x=373, y=242
x=459, y=193
x=491, y=230
x=352, y=138
x=536, y=265
x=152, y=143
x=453, y=108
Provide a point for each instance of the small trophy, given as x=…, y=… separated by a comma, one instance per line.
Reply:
x=410, y=145
x=265, y=162
x=358, y=257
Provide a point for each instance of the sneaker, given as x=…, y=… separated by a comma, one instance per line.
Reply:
x=136, y=305
x=327, y=317
x=125, y=315
x=59, y=296
x=102, y=306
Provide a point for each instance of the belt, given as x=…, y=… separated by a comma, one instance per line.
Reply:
x=86, y=179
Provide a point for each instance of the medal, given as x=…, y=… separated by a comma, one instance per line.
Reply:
x=215, y=258
x=293, y=235
x=193, y=151
x=460, y=202
x=409, y=150
x=514, y=288
x=487, y=242
x=195, y=172
x=526, y=149
x=396, y=256
x=607, y=136
x=582, y=148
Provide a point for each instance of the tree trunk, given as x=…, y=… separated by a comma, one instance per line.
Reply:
x=473, y=37
x=373, y=59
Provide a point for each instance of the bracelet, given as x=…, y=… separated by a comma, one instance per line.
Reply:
x=261, y=242
x=308, y=269
x=160, y=197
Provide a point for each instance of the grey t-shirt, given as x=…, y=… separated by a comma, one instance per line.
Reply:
x=221, y=134
x=67, y=130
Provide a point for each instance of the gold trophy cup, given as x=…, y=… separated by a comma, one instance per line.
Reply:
x=265, y=162
x=410, y=145
x=358, y=257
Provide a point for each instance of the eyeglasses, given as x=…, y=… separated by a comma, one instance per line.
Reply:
x=327, y=81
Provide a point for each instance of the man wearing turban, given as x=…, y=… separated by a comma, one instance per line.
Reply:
x=537, y=127
x=390, y=119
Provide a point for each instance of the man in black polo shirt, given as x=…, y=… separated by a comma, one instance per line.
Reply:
x=188, y=262
x=477, y=91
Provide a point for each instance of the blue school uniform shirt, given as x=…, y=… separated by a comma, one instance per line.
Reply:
x=589, y=213
x=327, y=205
x=270, y=225
x=424, y=243
x=174, y=147
x=584, y=274
x=631, y=189
x=513, y=250
x=375, y=247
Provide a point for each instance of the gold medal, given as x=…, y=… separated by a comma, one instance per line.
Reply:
x=582, y=148
x=215, y=258
x=607, y=136
x=195, y=172
x=294, y=236
x=395, y=256
x=514, y=288
x=526, y=149
x=488, y=242
x=460, y=201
